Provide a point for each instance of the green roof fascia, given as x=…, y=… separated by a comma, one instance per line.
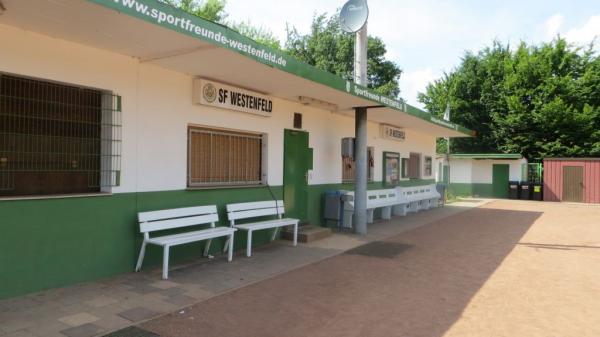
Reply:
x=486, y=156
x=156, y=12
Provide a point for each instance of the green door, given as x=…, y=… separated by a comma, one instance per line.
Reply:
x=500, y=174
x=297, y=160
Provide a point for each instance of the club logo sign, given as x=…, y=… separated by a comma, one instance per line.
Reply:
x=209, y=91
x=228, y=97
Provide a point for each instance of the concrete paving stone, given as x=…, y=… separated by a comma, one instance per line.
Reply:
x=14, y=325
x=113, y=322
x=198, y=293
x=101, y=301
x=181, y=300
x=172, y=292
x=144, y=289
x=132, y=331
x=86, y=330
x=138, y=314
x=48, y=327
x=164, y=284
x=20, y=333
x=78, y=319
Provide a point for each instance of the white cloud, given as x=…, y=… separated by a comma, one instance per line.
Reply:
x=413, y=82
x=585, y=34
x=553, y=25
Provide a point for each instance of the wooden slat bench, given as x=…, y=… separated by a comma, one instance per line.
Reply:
x=181, y=218
x=250, y=210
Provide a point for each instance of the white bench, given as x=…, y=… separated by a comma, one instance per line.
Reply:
x=251, y=210
x=181, y=218
x=416, y=198
x=384, y=199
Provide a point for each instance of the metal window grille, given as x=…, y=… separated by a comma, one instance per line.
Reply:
x=220, y=157
x=57, y=138
x=349, y=167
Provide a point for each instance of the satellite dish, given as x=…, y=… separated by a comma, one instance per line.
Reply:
x=354, y=15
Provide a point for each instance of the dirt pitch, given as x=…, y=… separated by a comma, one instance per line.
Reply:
x=509, y=268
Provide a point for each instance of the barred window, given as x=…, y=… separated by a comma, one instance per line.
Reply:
x=223, y=157
x=57, y=138
x=414, y=166
x=349, y=167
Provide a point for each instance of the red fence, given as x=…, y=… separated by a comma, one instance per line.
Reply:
x=553, y=178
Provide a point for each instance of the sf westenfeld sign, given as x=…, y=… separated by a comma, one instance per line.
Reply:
x=228, y=97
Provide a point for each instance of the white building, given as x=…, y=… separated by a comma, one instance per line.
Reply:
x=480, y=175
x=111, y=107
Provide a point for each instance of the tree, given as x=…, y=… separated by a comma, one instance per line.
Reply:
x=539, y=101
x=257, y=33
x=213, y=10
x=327, y=47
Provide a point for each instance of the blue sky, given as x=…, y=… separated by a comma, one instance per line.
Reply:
x=428, y=37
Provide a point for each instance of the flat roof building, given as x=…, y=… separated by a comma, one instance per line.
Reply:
x=112, y=107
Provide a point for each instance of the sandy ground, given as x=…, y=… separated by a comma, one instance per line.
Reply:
x=510, y=268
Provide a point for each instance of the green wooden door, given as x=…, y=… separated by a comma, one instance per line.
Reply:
x=500, y=174
x=297, y=160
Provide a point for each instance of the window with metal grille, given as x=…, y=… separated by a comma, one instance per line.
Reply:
x=223, y=157
x=349, y=167
x=414, y=166
x=57, y=138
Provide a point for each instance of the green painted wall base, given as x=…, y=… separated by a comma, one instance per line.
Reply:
x=57, y=242
x=471, y=190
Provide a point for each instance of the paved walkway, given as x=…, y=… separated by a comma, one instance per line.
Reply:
x=509, y=268
x=94, y=309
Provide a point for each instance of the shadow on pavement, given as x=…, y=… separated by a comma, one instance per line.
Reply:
x=414, y=284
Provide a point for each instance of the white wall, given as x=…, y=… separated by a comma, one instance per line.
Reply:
x=157, y=109
x=461, y=171
x=482, y=170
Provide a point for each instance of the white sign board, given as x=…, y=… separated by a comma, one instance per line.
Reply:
x=231, y=98
x=393, y=133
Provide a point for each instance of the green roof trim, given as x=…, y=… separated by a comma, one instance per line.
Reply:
x=180, y=21
x=486, y=156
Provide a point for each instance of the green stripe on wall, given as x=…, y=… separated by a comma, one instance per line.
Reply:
x=471, y=190
x=51, y=243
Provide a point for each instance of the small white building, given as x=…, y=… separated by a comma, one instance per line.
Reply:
x=480, y=175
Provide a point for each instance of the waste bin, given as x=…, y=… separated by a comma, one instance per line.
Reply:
x=525, y=191
x=513, y=190
x=538, y=192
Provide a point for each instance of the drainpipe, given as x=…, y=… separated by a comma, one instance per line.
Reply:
x=360, y=130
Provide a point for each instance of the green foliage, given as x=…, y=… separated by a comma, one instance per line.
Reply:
x=327, y=47
x=541, y=101
x=213, y=10
x=258, y=34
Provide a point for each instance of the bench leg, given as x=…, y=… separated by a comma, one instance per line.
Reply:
x=230, y=251
x=274, y=236
x=138, y=267
x=226, y=246
x=296, y=234
x=165, y=262
x=249, y=244
x=207, y=248
x=386, y=213
x=370, y=216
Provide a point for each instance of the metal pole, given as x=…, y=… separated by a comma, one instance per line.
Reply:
x=360, y=130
